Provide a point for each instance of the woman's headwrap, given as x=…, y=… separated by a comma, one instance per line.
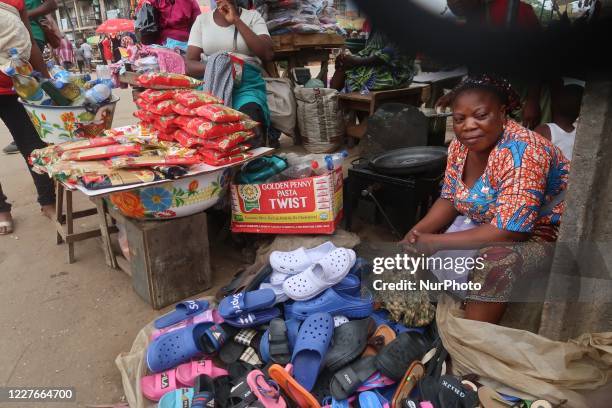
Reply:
x=498, y=85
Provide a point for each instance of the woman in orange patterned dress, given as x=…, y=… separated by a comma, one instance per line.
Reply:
x=509, y=181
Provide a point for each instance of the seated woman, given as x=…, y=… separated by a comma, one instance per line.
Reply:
x=245, y=34
x=380, y=65
x=506, y=179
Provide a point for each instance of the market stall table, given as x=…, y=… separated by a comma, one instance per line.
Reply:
x=439, y=81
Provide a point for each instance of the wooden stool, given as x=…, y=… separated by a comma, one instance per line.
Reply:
x=68, y=235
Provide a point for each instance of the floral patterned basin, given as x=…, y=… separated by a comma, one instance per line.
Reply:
x=179, y=198
x=59, y=124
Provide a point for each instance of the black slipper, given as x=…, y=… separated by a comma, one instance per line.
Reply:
x=279, y=342
x=348, y=342
x=395, y=358
x=244, y=281
x=222, y=386
x=346, y=381
x=321, y=388
x=241, y=395
x=204, y=392
x=234, y=350
x=215, y=338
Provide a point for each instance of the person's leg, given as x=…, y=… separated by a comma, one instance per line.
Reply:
x=255, y=112
x=17, y=121
x=6, y=221
x=80, y=65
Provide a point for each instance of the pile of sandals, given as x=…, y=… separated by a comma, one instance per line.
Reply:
x=301, y=333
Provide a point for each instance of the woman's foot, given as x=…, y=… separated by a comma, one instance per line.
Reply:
x=48, y=210
x=6, y=223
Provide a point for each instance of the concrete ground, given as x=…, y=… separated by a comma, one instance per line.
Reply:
x=63, y=325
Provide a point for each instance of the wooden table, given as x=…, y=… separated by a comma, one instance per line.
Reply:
x=300, y=49
x=439, y=81
x=371, y=101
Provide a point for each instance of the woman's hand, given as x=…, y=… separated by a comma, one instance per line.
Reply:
x=228, y=11
x=418, y=243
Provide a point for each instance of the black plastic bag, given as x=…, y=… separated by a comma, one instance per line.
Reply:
x=147, y=24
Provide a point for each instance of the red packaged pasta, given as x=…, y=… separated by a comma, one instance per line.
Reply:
x=151, y=161
x=165, y=123
x=142, y=104
x=194, y=99
x=206, y=129
x=214, y=155
x=97, y=153
x=165, y=136
x=84, y=144
x=162, y=108
x=225, y=143
x=183, y=110
x=220, y=113
x=182, y=121
x=145, y=116
x=152, y=95
x=186, y=140
x=167, y=80
x=227, y=160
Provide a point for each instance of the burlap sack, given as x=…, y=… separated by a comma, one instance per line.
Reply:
x=527, y=362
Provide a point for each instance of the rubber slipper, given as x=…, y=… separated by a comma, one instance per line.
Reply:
x=213, y=339
x=312, y=344
x=246, y=302
x=340, y=320
x=321, y=388
x=155, y=386
x=9, y=227
x=183, y=311
x=333, y=303
x=372, y=399
x=411, y=378
x=322, y=275
x=377, y=380
x=177, y=347
x=241, y=395
x=254, y=319
x=350, y=285
x=278, y=342
x=187, y=373
x=299, y=260
x=350, y=378
x=293, y=327
x=266, y=391
x=204, y=392
x=292, y=388
x=244, y=281
x=395, y=358
x=381, y=337
x=177, y=399
x=280, y=294
x=205, y=317
x=349, y=341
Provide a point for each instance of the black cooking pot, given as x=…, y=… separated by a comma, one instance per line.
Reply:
x=410, y=160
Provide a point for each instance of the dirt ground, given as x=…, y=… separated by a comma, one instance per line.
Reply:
x=63, y=325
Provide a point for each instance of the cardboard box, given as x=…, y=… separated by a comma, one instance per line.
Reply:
x=303, y=206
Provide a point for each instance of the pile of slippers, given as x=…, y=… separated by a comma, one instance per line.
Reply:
x=308, y=338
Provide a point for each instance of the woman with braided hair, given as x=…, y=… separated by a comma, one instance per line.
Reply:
x=508, y=181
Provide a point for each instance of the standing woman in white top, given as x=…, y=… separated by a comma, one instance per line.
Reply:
x=565, y=111
x=242, y=32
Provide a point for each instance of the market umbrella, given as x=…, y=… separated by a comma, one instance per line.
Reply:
x=116, y=25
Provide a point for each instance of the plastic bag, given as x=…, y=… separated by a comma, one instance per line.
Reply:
x=153, y=95
x=104, y=152
x=214, y=155
x=161, y=108
x=220, y=113
x=183, y=110
x=147, y=24
x=182, y=121
x=206, y=129
x=227, y=160
x=194, y=99
x=167, y=80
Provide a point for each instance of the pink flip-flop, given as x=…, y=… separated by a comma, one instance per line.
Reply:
x=267, y=391
x=155, y=386
x=188, y=372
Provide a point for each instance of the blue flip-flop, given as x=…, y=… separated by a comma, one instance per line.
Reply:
x=179, y=346
x=177, y=399
x=246, y=302
x=334, y=303
x=184, y=310
x=253, y=319
x=372, y=399
x=293, y=326
x=311, y=347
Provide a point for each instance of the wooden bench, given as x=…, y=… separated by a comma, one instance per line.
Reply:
x=413, y=95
